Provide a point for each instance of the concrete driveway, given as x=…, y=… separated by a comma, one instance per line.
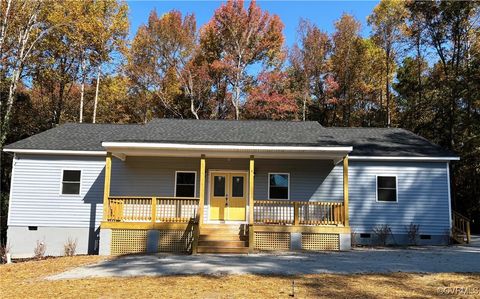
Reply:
x=364, y=260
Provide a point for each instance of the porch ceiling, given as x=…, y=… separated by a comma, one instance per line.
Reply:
x=124, y=149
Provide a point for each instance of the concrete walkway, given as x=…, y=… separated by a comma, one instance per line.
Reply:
x=419, y=259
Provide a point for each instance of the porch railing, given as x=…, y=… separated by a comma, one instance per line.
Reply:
x=151, y=209
x=298, y=212
x=460, y=228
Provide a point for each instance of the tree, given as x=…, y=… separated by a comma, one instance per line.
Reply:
x=387, y=20
x=241, y=38
x=162, y=61
x=112, y=21
x=310, y=67
x=271, y=98
x=22, y=28
x=346, y=60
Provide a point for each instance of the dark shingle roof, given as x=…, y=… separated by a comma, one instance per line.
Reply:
x=365, y=141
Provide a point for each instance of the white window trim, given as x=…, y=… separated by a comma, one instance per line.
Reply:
x=61, y=182
x=195, y=182
x=396, y=188
x=268, y=179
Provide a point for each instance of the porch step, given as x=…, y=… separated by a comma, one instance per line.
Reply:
x=223, y=229
x=222, y=243
x=213, y=249
x=221, y=238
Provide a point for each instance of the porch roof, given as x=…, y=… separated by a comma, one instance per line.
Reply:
x=281, y=135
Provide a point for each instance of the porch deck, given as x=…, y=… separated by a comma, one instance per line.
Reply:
x=179, y=222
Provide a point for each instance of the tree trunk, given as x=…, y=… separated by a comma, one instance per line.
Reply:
x=387, y=86
x=82, y=89
x=96, y=96
x=305, y=106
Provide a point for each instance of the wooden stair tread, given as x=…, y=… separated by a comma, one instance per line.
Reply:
x=214, y=249
x=223, y=238
x=222, y=243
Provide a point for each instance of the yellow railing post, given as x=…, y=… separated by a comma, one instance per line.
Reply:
x=154, y=210
x=345, y=189
x=201, y=202
x=296, y=211
x=106, y=190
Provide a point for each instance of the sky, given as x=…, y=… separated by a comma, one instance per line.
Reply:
x=322, y=13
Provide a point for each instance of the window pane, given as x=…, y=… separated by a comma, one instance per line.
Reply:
x=237, y=186
x=278, y=192
x=279, y=180
x=186, y=178
x=71, y=175
x=71, y=188
x=185, y=190
x=386, y=182
x=387, y=195
x=218, y=186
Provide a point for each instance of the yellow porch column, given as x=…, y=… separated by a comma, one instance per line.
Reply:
x=345, y=189
x=251, y=189
x=251, y=180
x=106, y=189
x=201, y=202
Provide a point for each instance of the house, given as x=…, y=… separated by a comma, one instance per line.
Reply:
x=225, y=186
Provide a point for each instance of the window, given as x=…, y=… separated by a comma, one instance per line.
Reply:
x=185, y=183
x=387, y=188
x=237, y=186
x=278, y=185
x=219, y=185
x=71, y=182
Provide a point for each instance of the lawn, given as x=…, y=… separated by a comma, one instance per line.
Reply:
x=26, y=280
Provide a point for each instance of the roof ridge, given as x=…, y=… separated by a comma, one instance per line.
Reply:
x=233, y=120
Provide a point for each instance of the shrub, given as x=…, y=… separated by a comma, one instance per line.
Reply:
x=353, y=238
x=40, y=249
x=412, y=231
x=382, y=232
x=70, y=247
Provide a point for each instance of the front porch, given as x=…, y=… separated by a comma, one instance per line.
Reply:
x=161, y=222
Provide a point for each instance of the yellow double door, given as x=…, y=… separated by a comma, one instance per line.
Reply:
x=228, y=196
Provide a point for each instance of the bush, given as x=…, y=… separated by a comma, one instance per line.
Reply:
x=382, y=232
x=413, y=231
x=353, y=238
x=70, y=247
x=40, y=249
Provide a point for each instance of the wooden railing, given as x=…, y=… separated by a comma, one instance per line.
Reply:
x=151, y=209
x=460, y=228
x=298, y=212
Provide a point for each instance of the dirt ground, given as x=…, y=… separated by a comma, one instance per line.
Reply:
x=26, y=280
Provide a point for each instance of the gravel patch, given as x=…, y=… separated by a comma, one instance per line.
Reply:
x=460, y=259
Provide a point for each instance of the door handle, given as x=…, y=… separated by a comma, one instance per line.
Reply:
x=226, y=200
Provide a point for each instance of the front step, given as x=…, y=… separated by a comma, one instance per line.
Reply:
x=221, y=238
x=221, y=243
x=213, y=249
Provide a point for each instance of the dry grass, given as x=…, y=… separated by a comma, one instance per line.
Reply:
x=25, y=280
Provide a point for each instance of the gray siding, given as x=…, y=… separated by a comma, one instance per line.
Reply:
x=310, y=179
x=36, y=198
x=149, y=176
x=422, y=197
